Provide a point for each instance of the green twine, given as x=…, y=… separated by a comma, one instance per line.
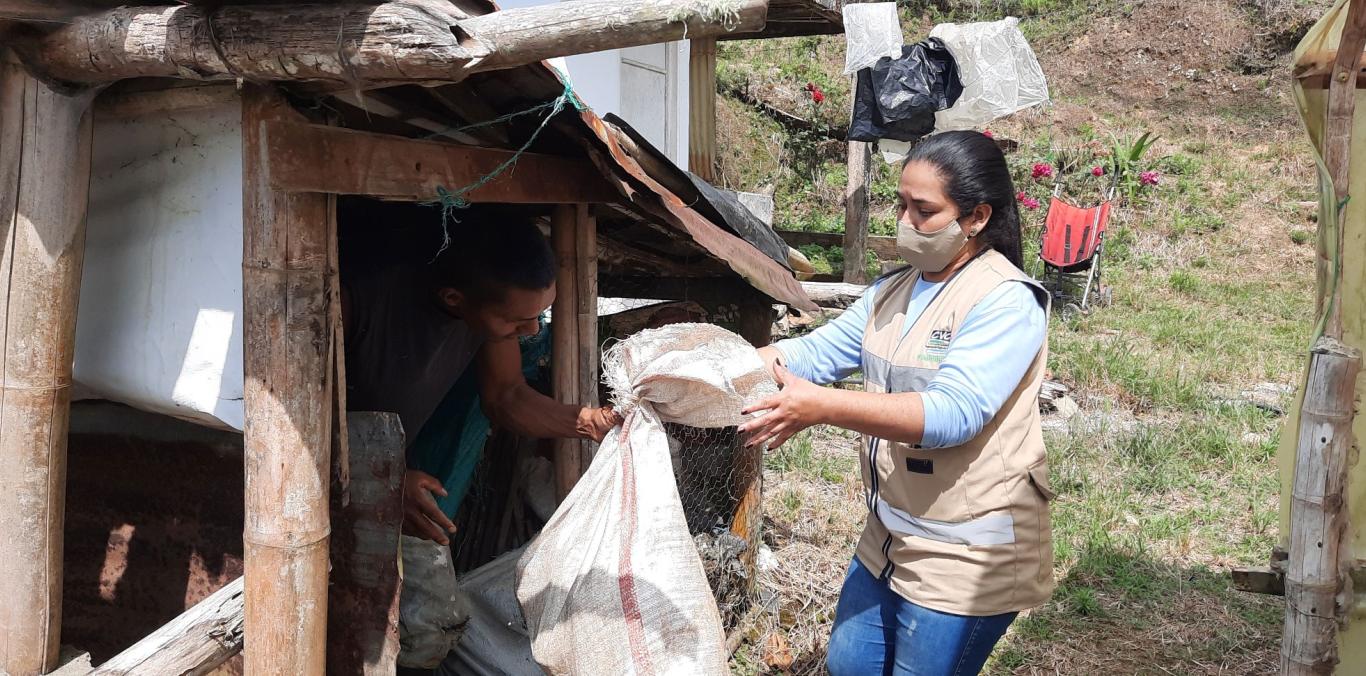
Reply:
x=450, y=200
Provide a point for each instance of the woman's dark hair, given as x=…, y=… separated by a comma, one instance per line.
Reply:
x=975, y=172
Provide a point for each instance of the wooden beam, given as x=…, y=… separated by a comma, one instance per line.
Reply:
x=287, y=340
x=356, y=44
x=196, y=642
x=564, y=343
x=45, y=140
x=389, y=167
x=756, y=326
x=362, y=618
x=586, y=303
x=56, y=11
x=834, y=295
x=702, y=108
x=884, y=247
x=703, y=289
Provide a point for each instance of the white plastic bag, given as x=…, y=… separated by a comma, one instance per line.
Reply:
x=871, y=31
x=999, y=72
x=613, y=584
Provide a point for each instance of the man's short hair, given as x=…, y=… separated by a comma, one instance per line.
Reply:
x=487, y=257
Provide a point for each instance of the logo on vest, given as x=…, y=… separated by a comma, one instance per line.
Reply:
x=937, y=346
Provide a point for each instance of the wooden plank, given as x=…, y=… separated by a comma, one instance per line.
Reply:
x=287, y=341
x=564, y=341
x=586, y=302
x=45, y=140
x=884, y=247
x=124, y=104
x=362, y=618
x=1337, y=134
x=1320, y=554
x=391, y=167
x=196, y=642
x=1259, y=580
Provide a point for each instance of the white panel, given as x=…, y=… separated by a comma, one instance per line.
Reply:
x=651, y=56
x=645, y=104
x=160, y=319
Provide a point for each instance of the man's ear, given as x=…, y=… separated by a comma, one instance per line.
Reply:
x=450, y=297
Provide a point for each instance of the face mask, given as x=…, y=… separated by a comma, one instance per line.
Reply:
x=929, y=251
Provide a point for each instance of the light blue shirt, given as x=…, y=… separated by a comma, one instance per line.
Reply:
x=987, y=357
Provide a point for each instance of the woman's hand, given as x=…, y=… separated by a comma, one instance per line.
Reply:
x=421, y=517
x=797, y=406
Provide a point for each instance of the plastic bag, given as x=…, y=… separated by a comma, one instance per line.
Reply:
x=432, y=611
x=613, y=584
x=898, y=98
x=871, y=31
x=999, y=71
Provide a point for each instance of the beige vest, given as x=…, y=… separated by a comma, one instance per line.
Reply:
x=961, y=530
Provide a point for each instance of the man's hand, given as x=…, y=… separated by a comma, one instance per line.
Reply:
x=794, y=408
x=421, y=517
x=595, y=423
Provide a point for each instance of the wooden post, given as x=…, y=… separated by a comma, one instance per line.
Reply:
x=287, y=353
x=856, y=212
x=702, y=108
x=45, y=141
x=756, y=326
x=362, y=613
x=564, y=346
x=1318, y=584
x=1317, y=588
x=856, y=197
x=586, y=300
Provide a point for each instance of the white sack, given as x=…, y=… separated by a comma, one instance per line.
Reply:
x=999, y=72
x=871, y=31
x=613, y=584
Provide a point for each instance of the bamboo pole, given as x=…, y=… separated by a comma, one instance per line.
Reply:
x=586, y=300
x=45, y=139
x=747, y=480
x=287, y=353
x=1318, y=584
x=564, y=346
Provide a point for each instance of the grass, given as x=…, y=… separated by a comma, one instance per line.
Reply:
x=1165, y=478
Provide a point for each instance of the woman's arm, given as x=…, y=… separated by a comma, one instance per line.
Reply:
x=829, y=353
x=986, y=360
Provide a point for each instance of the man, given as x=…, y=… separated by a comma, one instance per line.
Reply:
x=411, y=331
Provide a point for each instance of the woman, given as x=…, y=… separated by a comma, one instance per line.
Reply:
x=952, y=350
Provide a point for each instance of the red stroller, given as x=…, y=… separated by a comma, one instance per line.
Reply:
x=1073, y=241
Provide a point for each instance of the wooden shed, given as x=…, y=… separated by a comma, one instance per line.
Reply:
x=400, y=101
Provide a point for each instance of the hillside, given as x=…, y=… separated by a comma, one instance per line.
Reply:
x=1166, y=474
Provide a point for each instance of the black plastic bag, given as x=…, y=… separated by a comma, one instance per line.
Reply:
x=897, y=98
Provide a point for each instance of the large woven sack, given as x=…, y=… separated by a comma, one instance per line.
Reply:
x=613, y=584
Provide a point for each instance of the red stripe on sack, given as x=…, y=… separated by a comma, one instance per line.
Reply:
x=626, y=581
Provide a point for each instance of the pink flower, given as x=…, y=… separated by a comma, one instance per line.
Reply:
x=1030, y=203
x=1149, y=178
x=987, y=133
x=1021, y=196
x=1041, y=170
x=1097, y=170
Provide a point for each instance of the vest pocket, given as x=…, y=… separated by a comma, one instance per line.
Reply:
x=1038, y=475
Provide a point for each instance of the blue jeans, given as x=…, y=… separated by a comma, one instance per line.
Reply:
x=878, y=632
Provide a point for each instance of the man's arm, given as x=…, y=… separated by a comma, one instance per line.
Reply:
x=511, y=403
